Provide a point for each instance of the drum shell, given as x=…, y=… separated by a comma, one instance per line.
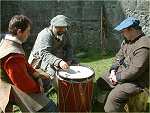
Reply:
x=75, y=96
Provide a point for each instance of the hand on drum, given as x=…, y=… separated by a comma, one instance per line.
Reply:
x=112, y=77
x=63, y=65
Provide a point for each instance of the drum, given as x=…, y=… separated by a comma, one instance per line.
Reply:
x=75, y=89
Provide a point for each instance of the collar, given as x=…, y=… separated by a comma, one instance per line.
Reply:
x=139, y=36
x=12, y=38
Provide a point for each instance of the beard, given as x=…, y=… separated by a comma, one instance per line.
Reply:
x=60, y=37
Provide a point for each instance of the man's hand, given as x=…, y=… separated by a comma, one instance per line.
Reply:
x=112, y=77
x=63, y=65
x=41, y=74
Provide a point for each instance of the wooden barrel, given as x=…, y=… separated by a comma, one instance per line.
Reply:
x=137, y=103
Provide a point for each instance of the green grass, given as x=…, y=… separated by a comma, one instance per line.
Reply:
x=98, y=62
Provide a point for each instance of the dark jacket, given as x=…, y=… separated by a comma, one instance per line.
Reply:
x=132, y=62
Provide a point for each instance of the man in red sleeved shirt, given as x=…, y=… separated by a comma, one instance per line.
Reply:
x=19, y=82
x=20, y=72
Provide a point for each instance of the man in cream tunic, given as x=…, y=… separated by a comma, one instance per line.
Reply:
x=28, y=99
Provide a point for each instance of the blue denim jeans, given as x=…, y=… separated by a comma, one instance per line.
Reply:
x=50, y=108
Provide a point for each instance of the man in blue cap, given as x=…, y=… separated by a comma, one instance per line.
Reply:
x=129, y=73
x=52, y=49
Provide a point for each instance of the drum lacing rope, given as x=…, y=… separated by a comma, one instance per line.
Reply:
x=66, y=97
x=82, y=96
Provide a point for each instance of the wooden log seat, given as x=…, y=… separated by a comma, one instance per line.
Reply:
x=138, y=103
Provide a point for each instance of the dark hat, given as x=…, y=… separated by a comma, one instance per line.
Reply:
x=129, y=22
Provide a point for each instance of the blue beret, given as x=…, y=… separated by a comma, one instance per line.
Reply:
x=129, y=22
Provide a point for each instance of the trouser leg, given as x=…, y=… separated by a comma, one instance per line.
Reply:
x=47, y=85
x=9, y=107
x=50, y=107
x=119, y=96
x=55, y=83
x=18, y=101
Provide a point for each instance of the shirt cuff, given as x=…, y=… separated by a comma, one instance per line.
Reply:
x=57, y=61
x=113, y=67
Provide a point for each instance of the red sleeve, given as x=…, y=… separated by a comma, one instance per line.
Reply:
x=31, y=70
x=17, y=70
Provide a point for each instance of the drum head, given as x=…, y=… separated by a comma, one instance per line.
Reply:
x=76, y=73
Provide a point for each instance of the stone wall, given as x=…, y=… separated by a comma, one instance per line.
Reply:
x=86, y=19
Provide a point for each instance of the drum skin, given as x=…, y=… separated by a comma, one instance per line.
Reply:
x=75, y=97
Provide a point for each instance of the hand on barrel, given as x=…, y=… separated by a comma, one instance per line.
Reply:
x=112, y=77
x=40, y=74
x=63, y=65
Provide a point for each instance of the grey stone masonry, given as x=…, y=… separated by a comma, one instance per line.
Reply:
x=88, y=30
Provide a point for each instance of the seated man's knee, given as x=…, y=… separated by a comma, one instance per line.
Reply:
x=116, y=100
x=112, y=104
